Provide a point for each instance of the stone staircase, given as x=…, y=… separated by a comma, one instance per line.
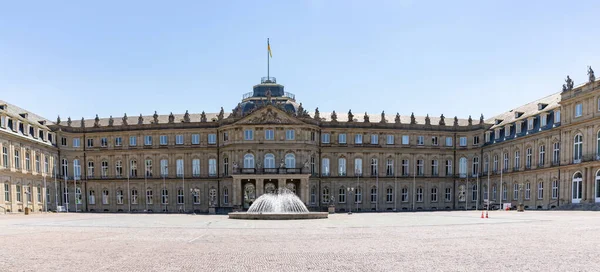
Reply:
x=579, y=207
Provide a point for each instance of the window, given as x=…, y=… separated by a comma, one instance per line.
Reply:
x=504, y=192
x=164, y=196
x=27, y=161
x=6, y=192
x=486, y=164
x=312, y=165
x=149, y=196
x=325, y=167
x=134, y=196
x=163, y=140
x=434, y=140
x=46, y=165
x=178, y=139
x=313, y=136
x=313, y=195
x=212, y=138
x=341, y=167
x=555, y=189
x=118, y=141
x=342, y=195
x=540, y=194
x=148, y=168
x=448, y=167
x=434, y=194
x=76, y=169
x=196, y=168
x=543, y=120
x=505, y=161
x=542, y=155
x=17, y=160
x=5, y=163
x=389, y=195
x=389, y=169
x=434, y=168
x=405, y=167
x=475, y=166
x=195, y=139
x=37, y=163
x=420, y=167
x=463, y=141
x=180, y=199
x=90, y=142
x=556, y=153
x=530, y=123
x=515, y=191
x=325, y=138
x=358, y=167
x=578, y=110
x=119, y=196
x=475, y=140
x=290, y=161
x=132, y=140
x=103, y=142
x=474, y=192
x=557, y=116
x=325, y=195
x=118, y=169
x=404, y=195
x=342, y=138
x=405, y=139
x=598, y=145
x=225, y=167
x=373, y=194
x=494, y=192
x=248, y=161
x=358, y=195
x=212, y=167
x=290, y=134
x=358, y=139
x=133, y=168
x=448, y=194
x=462, y=167
x=485, y=192
x=196, y=196
x=90, y=170
x=164, y=167
x=19, y=196
x=147, y=140
x=390, y=139
x=105, y=196
x=578, y=148
x=248, y=134
x=517, y=159
x=374, y=168
x=448, y=141
x=420, y=140
x=179, y=165
x=225, y=136
x=374, y=139
x=577, y=187
x=269, y=134
x=225, y=195
x=104, y=169
x=27, y=193
x=76, y=142
x=528, y=158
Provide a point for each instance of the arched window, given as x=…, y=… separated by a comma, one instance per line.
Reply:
x=105, y=196
x=342, y=166
x=134, y=196
x=119, y=196
x=528, y=190
x=133, y=168
x=404, y=194
x=90, y=170
x=118, y=169
x=474, y=192
x=475, y=166
x=290, y=160
x=517, y=159
x=148, y=168
x=325, y=195
x=104, y=169
x=342, y=195
x=419, y=194
x=389, y=195
x=577, y=187
x=578, y=148
x=485, y=192
x=269, y=160
x=373, y=194
x=248, y=161
x=313, y=195
x=76, y=169
x=91, y=197
x=358, y=195
x=542, y=156
x=358, y=167
x=226, y=193
x=434, y=194
x=504, y=192
x=164, y=196
x=65, y=166
x=149, y=196
x=495, y=163
x=462, y=167
x=494, y=192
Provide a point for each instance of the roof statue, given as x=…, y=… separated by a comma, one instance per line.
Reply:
x=140, y=119
x=82, y=122
x=58, y=120
x=590, y=73
x=427, y=120
x=155, y=116
x=69, y=121
x=382, y=117
x=301, y=112
x=455, y=121
x=568, y=84
x=221, y=114
x=397, y=119
x=124, y=119
x=470, y=121
x=186, y=117
x=333, y=117
x=481, y=119
x=171, y=118
x=442, y=121
x=317, y=115
x=268, y=94
x=96, y=121
x=366, y=118
x=412, y=119
x=203, y=117
x=350, y=116
x=111, y=121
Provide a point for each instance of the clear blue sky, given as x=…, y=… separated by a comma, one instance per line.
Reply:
x=78, y=58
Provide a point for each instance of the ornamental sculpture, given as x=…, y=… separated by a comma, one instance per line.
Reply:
x=155, y=117
x=470, y=121
x=171, y=118
x=366, y=118
x=481, y=120
x=186, y=117
x=412, y=119
x=58, y=120
x=111, y=121
x=333, y=117
x=590, y=73
x=397, y=119
x=221, y=114
x=69, y=121
x=455, y=121
x=382, y=117
x=140, y=120
x=442, y=120
x=124, y=123
x=568, y=84
x=301, y=112
x=427, y=120
x=96, y=121
x=317, y=114
x=82, y=122
x=203, y=117
x=350, y=116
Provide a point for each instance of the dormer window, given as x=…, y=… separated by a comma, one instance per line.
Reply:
x=487, y=136
x=518, y=114
x=541, y=106
x=3, y=107
x=530, y=124
x=43, y=122
x=518, y=125
x=497, y=133
x=24, y=115
x=498, y=121
x=543, y=119
x=507, y=130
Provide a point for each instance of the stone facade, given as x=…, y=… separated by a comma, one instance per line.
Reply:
x=371, y=162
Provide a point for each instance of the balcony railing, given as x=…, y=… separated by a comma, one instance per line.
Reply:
x=274, y=171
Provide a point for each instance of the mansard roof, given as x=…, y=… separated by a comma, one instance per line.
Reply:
x=16, y=112
x=528, y=110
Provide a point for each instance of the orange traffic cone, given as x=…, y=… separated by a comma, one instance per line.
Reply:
x=486, y=214
x=481, y=214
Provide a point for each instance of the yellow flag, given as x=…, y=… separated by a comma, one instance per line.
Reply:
x=269, y=48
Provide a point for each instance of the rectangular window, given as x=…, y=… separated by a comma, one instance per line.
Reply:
x=420, y=140
x=269, y=134
x=405, y=168
x=448, y=141
x=18, y=193
x=434, y=168
x=196, y=168
x=63, y=141
x=325, y=167
x=578, y=110
x=448, y=167
x=374, y=139
x=212, y=138
x=90, y=142
x=103, y=142
x=405, y=139
x=164, y=168
x=178, y=139
x=248, y=134
x=515, y=191
x=313, y=136
x=195, y=139
x=557, y=116
x=390, y=139
x=179, y=164
x=212, y=167
x=180, y=196
x=358, y=139
x=556, y=153
x=290, y=134
x=163, y=140
x=342, y=138
x=448, y=195
x=475, y=140
x=530, y=123
x=225, y=136
x=132, y=140
x=463, y=141
x=555, y=189
x=543, y=120
x=420, y=167
x=389, y=169
x=5, y=157
x=541, y=190
x=118, y=141
x=6, y=192
x=147, y=140
x=434, y=140
x=325, y=138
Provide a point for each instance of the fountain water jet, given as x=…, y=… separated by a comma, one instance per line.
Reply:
x=281, y=205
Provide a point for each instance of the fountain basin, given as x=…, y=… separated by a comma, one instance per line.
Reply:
x=278, y=216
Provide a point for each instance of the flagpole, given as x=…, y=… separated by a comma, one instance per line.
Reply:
x=268, y=55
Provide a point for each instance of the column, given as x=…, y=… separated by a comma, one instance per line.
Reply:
x=260, y=187
x=235, y=187
x=590, y=179
x=304, y=190
x=281, y=183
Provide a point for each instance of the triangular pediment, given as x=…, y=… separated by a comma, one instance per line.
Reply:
x=269, y=115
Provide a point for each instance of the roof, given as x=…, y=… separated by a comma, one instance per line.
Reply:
x=404, y=119
x=15, y=112
x=527, y=110
x=148, y=119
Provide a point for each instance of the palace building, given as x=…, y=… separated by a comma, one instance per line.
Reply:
x=544, y=154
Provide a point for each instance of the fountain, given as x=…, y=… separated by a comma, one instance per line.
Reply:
x=280, y=205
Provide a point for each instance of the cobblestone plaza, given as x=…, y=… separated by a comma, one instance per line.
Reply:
x=424, y=241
